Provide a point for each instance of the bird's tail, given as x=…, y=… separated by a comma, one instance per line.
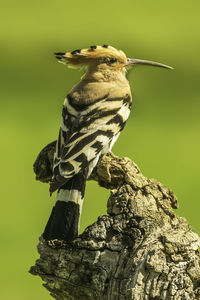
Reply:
x=63, y=222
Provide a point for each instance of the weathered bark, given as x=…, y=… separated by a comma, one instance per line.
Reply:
x=140, y=250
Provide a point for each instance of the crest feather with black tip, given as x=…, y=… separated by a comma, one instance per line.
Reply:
x=81, y=57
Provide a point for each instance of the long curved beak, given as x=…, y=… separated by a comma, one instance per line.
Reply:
x=135, y=61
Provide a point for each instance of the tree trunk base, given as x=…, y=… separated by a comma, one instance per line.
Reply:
x=140, y=250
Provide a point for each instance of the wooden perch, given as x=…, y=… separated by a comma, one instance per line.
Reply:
x=140, y=250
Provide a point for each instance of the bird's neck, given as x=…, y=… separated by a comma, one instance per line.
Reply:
x=105, y=75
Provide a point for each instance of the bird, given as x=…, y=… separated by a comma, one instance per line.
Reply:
x=94, y=113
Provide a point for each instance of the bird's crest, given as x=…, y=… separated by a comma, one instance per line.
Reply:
x=80, y=57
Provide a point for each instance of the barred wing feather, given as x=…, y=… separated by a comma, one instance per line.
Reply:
x=85, y=135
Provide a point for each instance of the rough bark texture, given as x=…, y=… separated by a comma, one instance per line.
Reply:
x=140, y=250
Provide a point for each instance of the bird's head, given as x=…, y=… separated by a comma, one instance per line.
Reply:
x=102, y=57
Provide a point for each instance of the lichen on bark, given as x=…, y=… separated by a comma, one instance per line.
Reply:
x=140, y=250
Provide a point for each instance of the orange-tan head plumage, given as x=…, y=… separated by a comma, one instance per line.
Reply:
x=103, y=57
x=94, y=55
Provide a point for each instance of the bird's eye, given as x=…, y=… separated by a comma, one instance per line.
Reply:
x=107, y=60
x=112, y=60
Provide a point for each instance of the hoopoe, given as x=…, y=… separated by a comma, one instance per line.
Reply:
x=94, y=113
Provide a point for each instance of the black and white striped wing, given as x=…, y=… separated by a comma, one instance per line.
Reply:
x=85, y=135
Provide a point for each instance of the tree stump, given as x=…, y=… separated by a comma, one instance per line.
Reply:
x=140, y=250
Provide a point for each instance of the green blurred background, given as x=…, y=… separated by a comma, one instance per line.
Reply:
x=162, y=135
